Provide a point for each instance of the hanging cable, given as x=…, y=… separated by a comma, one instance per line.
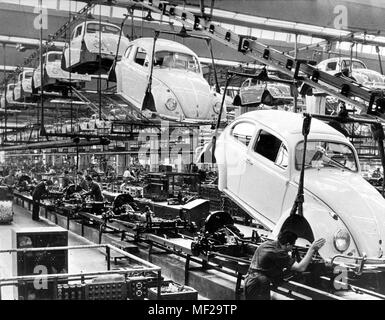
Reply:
x=42, y=128
x=69, y=58
x=100, y=63
x=5, y=94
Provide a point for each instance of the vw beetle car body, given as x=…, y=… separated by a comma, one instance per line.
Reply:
x=55, y=78
x=254, y=92
x=81, y=55
x=259, y=160
x=179, y=89
x=360, y=72
x=23, y=87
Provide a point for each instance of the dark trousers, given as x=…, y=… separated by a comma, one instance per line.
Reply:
x=35, y=209
x=257, y=287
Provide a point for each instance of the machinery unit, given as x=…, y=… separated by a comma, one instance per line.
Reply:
x=6, y=205
x=137, y=288
x=39, y=262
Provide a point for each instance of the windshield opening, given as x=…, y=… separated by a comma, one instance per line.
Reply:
x=176, y=60
x=94, y=28
x=320, y=154
x=52, y=57
x=28, y=75
x=355, y=64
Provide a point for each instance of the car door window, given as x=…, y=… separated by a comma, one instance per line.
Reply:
x=269, y=146
x=243, y=132
x=79, y=31
x=282, y=157
x=246, y=84
x=140, y=56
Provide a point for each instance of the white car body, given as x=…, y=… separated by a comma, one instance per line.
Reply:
x=360, y=72
x=23, y=88
x=336, y=200
x=55, y=78
x=178, y=86
x=81, y=55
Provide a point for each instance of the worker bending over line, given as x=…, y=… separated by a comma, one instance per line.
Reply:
x=269, y=262
x=94, y=190
x=82, y=183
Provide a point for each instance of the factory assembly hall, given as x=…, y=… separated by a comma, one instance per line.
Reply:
x=192, y=150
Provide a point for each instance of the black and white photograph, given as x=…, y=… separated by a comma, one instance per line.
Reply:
x=188, y=156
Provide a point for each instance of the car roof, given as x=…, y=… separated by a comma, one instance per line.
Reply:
x=162, y=44
x=289, y=123
x=339, y=58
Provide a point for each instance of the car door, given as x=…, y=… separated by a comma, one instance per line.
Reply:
x=138, y=70
x=17, y=90
x=236, y=146
x=76, y=45
x=265, y=181
x=124, y=71
x=37, y=73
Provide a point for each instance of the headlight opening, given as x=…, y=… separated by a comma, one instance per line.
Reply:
x=217, y=107
x=341, y=240
x=171, y=104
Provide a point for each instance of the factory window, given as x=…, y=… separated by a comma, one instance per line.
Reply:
x=268, y=145
x=243, y=132
x=140, y=56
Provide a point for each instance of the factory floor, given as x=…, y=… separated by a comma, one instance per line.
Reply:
x=84, y=260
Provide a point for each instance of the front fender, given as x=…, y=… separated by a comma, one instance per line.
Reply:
x=161, y=94
x=324, y=223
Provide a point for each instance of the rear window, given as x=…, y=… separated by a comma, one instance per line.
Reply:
x=331, y=66
x=54, y=57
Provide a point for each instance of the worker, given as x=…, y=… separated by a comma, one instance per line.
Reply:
x=94, y=190
x=10, y=180
x=82, y=183
x=271, y=260
x=128, y=175
x=40, y=191
x=66, y=180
